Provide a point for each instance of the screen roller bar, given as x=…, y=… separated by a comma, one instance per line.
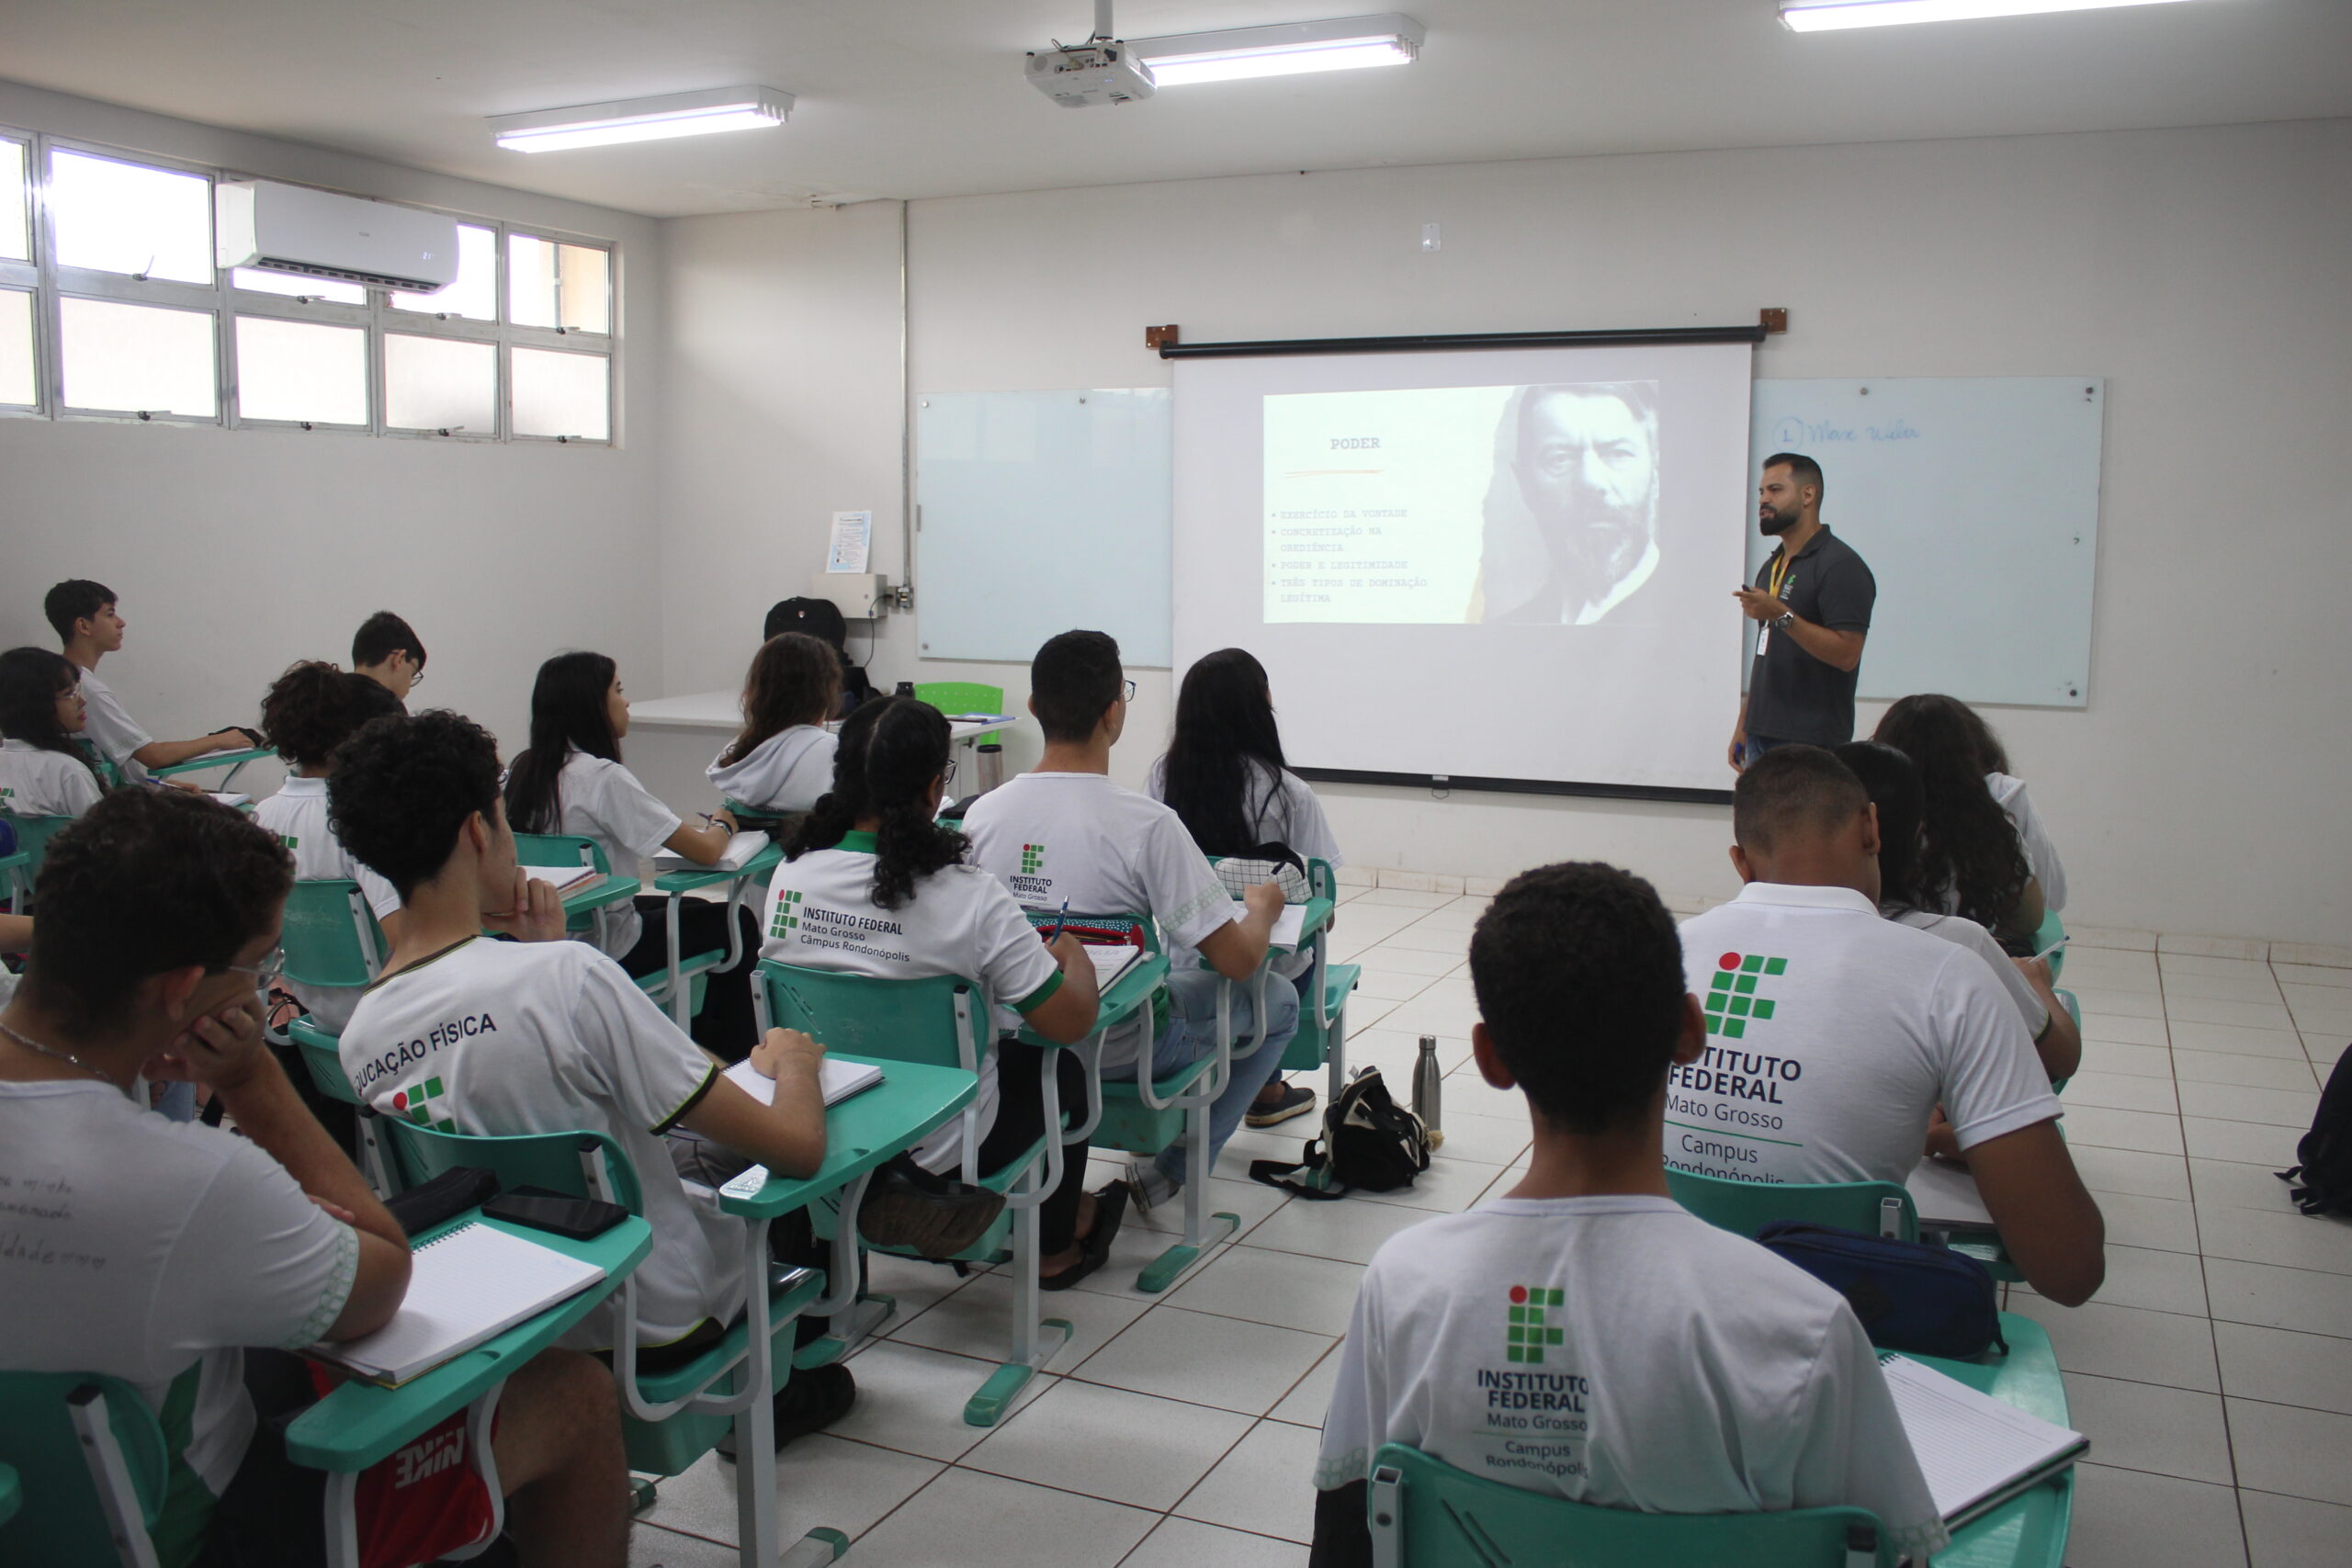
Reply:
x=1619, y=337
x=1449, y=782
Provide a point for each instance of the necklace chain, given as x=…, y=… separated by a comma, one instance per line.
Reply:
x=29, y=1044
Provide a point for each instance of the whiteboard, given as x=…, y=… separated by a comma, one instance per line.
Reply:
x=1975, y=503
x=1041, y=512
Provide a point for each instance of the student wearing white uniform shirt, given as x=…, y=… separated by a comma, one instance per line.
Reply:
x=44, y=769
x=89, y=628
x=543, y=1035
x=571, y=781
x=1834, y=1034
x=1224, y=776
x=2008, y=790
x=1654, y=1362
x=875, y=885
x=1971, y=860
x=1067, y=832
x=1893, y=781
x=782, y=760
x=308, y=712
x=182, y=1249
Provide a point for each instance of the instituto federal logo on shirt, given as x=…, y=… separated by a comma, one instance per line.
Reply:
x=288, y=841
x=1732, y=1001
x=416, y=1104
x=1030, y=881
x=788, y=913
x=1527, y=1334
x=1033, y=857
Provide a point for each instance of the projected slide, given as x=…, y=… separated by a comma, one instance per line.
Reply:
x=1461, y=503
x=1504, y=566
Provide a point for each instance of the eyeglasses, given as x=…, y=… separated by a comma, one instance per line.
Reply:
x=1126, y=690
x=948, y=775
x=271, y=968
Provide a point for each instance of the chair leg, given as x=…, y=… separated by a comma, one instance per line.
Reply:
x=1036, y=1340
x=820, y=1545
x=853, y=1316
x=1202, y=1230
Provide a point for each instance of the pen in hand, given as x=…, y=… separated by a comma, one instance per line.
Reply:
x=1060, y=920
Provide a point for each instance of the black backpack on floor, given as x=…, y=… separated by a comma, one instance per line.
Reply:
x=1369, y=1141
x=2324, y=1173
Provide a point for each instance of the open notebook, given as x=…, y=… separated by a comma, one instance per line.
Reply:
x=564, y=878
x=465, y=1289
x=740, y=850
x=1290, y=926
x=1974, y=1451
x=841, y=1079
x=1110, y=961
x=1947, y=1198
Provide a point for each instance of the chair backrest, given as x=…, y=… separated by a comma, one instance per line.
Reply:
x=64, y=1518
x=938, y=1019
x=1875, y=1208
x=1322, y=882
x=1426, y=1514
x=33, y=834
x=960, y=696
x=579, y=1165
x=559, y=849
x=321, y=1053
x=331, y=936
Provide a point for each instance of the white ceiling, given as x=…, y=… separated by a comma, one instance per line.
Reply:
x=924, y=97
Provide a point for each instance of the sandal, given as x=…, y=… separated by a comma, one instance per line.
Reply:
x=1109, y=1209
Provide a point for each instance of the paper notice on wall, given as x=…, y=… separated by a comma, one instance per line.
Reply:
x=853, y=541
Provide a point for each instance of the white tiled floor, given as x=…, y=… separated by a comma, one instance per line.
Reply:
x=2213, y=1373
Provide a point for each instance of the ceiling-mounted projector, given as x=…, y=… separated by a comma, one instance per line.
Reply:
x=1099, y=71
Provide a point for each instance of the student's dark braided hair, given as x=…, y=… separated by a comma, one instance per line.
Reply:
x=890, y=751
x=1971, y=847
x=31, y=680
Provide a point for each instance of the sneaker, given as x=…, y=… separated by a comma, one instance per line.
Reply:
x=934, y=1216
x=1295, y=1099
x=1149, y=1187
x=811, y=1401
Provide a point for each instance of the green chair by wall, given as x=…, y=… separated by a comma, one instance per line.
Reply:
x=941, y=1020
x=1424, y=1513
x=960, y=696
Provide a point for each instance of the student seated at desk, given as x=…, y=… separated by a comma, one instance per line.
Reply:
x=308, y=712
x=1971, y=860
x=1892, y=780
x=2040, y=850
x=45, y=771
x=1711, y=1376
x=543, y=1035
x=89, y=628
x=571, y=781
x=782, y=759
x=1834, y=1034
x=874, y=855
x=385, y=650
x=1224, y=774
x=1065, y=834
x=197, y=1243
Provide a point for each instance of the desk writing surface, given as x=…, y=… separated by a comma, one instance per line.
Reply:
x=913, y=1100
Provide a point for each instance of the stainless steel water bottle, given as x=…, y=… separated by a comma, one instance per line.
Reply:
x=1428, y=1083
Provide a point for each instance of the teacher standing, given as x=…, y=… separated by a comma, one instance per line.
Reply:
x=1812, y=601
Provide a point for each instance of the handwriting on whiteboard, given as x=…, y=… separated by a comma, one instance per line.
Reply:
x=1795, y=432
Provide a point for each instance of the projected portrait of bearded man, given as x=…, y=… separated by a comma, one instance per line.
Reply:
x=1571, y=513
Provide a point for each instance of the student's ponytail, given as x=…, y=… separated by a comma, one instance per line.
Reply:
x=890, y=752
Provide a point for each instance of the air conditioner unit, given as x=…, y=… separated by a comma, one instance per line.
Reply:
x=316, y=233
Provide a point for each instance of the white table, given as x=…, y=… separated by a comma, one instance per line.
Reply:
x=673, y=740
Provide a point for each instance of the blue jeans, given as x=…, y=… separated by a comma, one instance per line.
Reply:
x=1190, y=1034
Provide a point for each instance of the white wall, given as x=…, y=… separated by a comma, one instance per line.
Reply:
x=238, y=552
x=2202, y=272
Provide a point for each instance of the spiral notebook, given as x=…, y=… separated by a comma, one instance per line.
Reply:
x=465, y=1288
x=1975, y=1451
x=839, y=1076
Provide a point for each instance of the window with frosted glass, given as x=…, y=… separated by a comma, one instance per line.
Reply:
x=438, y=383
x=551, y=283
x=474, y=295
x=137, y=358
x=301, y=370
x=562, y=394
x=127, y=217
x=18, y=386
x=16, y=234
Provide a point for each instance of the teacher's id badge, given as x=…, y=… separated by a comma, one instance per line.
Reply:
x=1763, y=638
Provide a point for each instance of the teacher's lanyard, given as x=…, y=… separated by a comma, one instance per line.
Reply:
x=1780, y=573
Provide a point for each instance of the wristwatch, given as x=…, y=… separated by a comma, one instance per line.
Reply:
x=1782, y=622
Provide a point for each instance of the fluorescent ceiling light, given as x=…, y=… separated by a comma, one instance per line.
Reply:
x=643, y=119
x=1830, y=15
x=1287, y=49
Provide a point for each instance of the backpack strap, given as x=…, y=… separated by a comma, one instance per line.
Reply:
x=1274, y=1173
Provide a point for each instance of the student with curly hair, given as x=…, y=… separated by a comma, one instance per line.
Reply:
x=45, y=770
x=1971, y=859
x=308, y=713
x=782, y=759
x=880, y=887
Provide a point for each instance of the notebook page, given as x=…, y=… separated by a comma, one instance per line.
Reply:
x=840, y=1080
x=739, y=852
x=1946, y=1195
x=562, y=878
x=1290, y=926
x=1968, y=1444
x=1110, y=963
x=465, y=1289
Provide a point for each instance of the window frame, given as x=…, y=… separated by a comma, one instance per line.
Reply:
x=225, y=301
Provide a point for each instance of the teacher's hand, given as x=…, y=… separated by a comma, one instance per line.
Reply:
x=1760, y=605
